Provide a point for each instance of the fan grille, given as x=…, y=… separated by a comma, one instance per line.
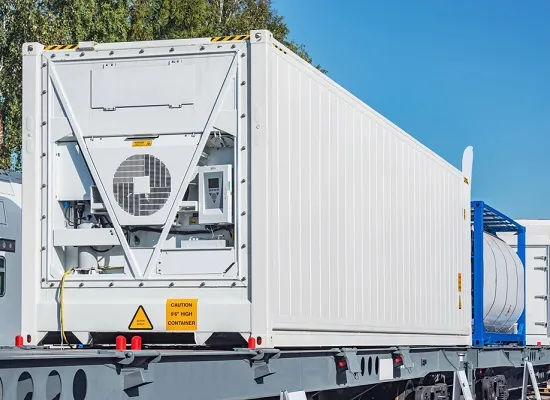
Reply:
x=141, y=204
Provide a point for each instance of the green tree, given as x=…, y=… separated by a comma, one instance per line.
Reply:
x=71, y=21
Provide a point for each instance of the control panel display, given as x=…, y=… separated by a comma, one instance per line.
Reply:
x=214, y=191
x=215, y=196
x=213, y=183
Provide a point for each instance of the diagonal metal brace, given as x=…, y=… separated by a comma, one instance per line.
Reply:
x=260, y=362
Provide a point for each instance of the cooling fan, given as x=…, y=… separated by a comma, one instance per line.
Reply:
x=142, y=185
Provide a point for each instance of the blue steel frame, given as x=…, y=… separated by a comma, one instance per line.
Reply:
x=487, y=219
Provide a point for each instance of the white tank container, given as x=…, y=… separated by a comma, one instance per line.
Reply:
x=347, y=231
x=503, y=285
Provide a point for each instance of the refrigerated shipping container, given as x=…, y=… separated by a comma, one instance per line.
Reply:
x=219, y=190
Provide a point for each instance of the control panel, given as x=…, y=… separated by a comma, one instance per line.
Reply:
x=215, y=194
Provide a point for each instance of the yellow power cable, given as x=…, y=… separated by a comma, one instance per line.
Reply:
x=61, y=315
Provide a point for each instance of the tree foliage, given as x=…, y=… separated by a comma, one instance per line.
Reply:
x=71, y=21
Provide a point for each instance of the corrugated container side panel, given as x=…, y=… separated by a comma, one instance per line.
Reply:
x=365, y=225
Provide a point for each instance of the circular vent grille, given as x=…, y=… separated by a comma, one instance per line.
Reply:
x=141, y=185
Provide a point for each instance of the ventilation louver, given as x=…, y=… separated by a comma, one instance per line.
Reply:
x=141, y=185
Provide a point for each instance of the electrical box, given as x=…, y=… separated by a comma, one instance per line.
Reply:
x=96, y=203
x=215, y=205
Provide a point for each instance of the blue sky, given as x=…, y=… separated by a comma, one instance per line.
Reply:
x=452, y=74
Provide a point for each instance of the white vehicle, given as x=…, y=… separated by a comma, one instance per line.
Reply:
x=10, y=257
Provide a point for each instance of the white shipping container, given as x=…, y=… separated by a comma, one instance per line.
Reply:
x=343, y=229
x=537, y=290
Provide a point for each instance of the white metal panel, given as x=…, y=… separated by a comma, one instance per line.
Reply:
x=85, y=237
x=94, y=310
x=209, y=72
x=32, y=195
x=362, y=229
x=197, y=262
x=132, y=86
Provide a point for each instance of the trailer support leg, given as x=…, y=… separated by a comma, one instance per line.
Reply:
x=460, y=386
x=529, y=372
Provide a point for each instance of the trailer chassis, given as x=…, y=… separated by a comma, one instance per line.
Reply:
x=266, y=373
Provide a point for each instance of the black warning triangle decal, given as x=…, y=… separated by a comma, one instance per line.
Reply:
x=140, y=321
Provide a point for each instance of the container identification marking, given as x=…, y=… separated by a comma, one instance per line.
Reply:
x=140, y=321
x=142, y=143
x=459, y=290
x=181, y=314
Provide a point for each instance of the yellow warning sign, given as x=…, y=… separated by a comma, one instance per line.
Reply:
x=141, y=321
x=181, y=314
x=459, y=282
x=142, y=143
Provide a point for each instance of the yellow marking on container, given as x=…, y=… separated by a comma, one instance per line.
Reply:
x=460, y=302
x=142, y=143
x=279, y=48
x=61, y=47
x=459, y=282
x=181, y=314
x=466, y=181
x=140, y=321
x=230, y=38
